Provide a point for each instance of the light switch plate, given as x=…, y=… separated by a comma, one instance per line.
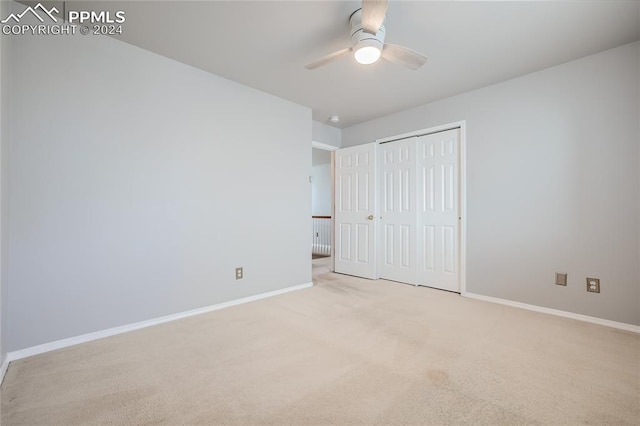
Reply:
x=561, y=279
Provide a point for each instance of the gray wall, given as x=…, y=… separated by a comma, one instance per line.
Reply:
x=138, y=184
x=552, y=182
x=4, y=181
x=326, y=134
x=321, y=182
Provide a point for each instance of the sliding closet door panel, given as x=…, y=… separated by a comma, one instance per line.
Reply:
x=355, y=195
x=438, y=215
x=398, y=211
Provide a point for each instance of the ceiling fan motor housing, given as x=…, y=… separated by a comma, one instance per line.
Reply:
x=360, y=38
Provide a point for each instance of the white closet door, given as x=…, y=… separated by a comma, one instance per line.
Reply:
x=398, y=220
x=355, y=211
x=439, y=210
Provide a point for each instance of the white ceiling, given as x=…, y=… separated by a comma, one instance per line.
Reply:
x=265, y=45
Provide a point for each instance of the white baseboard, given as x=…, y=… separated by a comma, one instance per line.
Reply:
x=556, y=312
x=71, y=341
x=3, y=368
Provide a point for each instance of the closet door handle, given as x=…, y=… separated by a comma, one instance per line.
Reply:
x=370, y=217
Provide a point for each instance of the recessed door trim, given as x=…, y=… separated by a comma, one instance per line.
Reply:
x=462, y=185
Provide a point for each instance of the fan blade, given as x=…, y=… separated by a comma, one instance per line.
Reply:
x=327, y=58
x=403, y=56
x=373, y=12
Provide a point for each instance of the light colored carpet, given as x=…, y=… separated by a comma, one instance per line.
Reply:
x=347, y=351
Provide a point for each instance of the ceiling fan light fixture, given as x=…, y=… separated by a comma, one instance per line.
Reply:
x=367, y=40
x=367, y=52
x=367, y=55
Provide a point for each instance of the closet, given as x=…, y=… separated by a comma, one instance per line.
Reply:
x=398, y=210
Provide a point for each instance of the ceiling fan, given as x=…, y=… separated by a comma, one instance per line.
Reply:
x=367, y=38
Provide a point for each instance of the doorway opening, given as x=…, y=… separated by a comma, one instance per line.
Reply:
x=322, y=205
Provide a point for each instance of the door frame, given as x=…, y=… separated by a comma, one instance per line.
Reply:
x=462, y=179
x=332, y=149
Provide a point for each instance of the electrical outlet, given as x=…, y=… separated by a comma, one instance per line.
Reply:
x=561, y=279
x=593, y=285
x=239, y=273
